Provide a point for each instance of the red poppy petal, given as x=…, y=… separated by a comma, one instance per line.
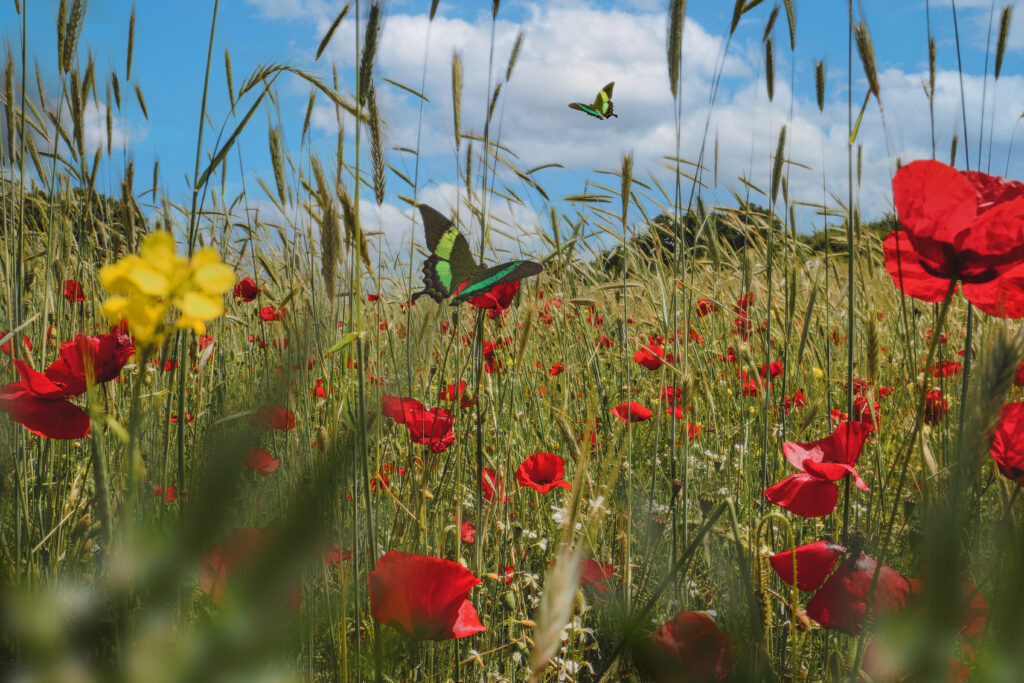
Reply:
x=935, y=204
x=804, y=495
x=467, y=623
x=1002, y=297
x=52, y=419
x=834, y=471
x=36, y=383
x=845, y=444
x=995, y=238
x=993, y=189
x=814, y=562
x=1007, y=447
x=908, y=273
x=842, y=600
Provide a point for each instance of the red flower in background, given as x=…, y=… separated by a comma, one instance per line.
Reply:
x=269, y=314
x=451, y=391
x=246, y=289
x=689, y=647
x=430, y=427
x=1018, y=379
x=650, y=356
x=104, y=355
x=958, y=227
x=631, y=412
x=236, y=553
x=259, y=460
x=1007, y=447
x=41, y=407
x=73, y=291
x=813, y=492
x=594, y=573
x=424, y=598
x=467, y=531
x=275, y=418
x=491, y=483
x=396, y=408
x=935, y=407
x=841, y=599
x=5, y=348
x=705, y=307
x=169, y=493
x=542, y=472
x=604, y=342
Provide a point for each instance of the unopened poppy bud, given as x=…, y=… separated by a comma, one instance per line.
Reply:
x=909, y=504
x=509, y=598
x=706, y=502
x=322, y=438
x=677, y=486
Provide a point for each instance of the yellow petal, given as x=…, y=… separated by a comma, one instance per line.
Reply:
x=195, y=305
x=158, y=247
x=114, y=308
x=214, y=278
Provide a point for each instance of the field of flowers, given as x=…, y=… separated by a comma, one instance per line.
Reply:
x=241, y=451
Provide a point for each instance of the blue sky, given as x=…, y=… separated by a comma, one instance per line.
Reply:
x=570, y=50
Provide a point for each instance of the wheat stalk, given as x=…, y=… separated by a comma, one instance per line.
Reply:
x=1004, y=34
x=131, y=45
x=376, y=145
x=230, y=79
x=770, y=24
x=866, y=50
x=677, y=18
x=513, y=57
x=277, y=162
x=433, y=8
x=116, y=85
x=791, y=22
x=555, y=609
x=73, y=32
x=769, y=67
x=369, y=51
x=62, y=17
x=330, y=31
x=457, y=96
x=819, y=83
x=777, y=166
x=9, y=103
x=142, y=101
x=110, y=122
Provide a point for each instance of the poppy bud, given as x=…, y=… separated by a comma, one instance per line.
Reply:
x=322, y=438
x=509, y=599
x=855, y=541
x=677, y=486
x=706, y=502
x=909, y=504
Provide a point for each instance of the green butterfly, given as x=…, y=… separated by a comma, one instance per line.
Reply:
x=602, y=107
x=451, y=263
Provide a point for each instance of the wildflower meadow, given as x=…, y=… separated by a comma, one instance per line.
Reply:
x=374, y=397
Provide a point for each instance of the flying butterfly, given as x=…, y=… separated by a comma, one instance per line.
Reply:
x=451, y=263
x=602, y=107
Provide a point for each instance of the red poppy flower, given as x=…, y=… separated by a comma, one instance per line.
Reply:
x=603, y=342
x=335, y=554
x=261, y=461
x=396, y=408
x=423, y=597
x=490, y=365
x=40, y=406
x=246, y=289
x=104, y=355
x=594, y=573
x=269, y=314
x=1018, y=380
x=705, y=307
x=774, y=368
x=5, y=348
x=430, y=427
x=372, y=297
x=556, y=369
x=169, y=493
x=542, y=472
x=467, y=532
x=935, y=407
x=275, y=418
x=966, y=227
x=73, y=291
x=688, y=647
x=631, y=412
x=650, y=356
x=1007, y=447
x=864, y=412
x=841, y=599
x=813, y=492
x=498, y=298
x=236, y=553
x=491, y=483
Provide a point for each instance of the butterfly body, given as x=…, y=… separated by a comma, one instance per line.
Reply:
x=602, y=107
x=451, y=268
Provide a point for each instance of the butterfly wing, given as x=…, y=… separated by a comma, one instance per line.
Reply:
x=450, y=262
x=497, y=275
x=586, y=109
x=603, y=101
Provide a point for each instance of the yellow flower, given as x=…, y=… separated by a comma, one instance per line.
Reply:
x=148, y=284
x=818, y=373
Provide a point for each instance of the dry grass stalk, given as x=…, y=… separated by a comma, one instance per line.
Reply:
x=677, y=18
x=330, y=31
x=555, y=609
x=131, y=45
x=277, y=162
x=369, y=51
x=228, y=76
x=142, y=101
x=866, y=50
x=513, y=57
x=1004, y=34
x=457, y=96
x=819, y=83
x=73, y=32
x=780, y=149
x=376, y=146
x=769, y=67
x=791, y=22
